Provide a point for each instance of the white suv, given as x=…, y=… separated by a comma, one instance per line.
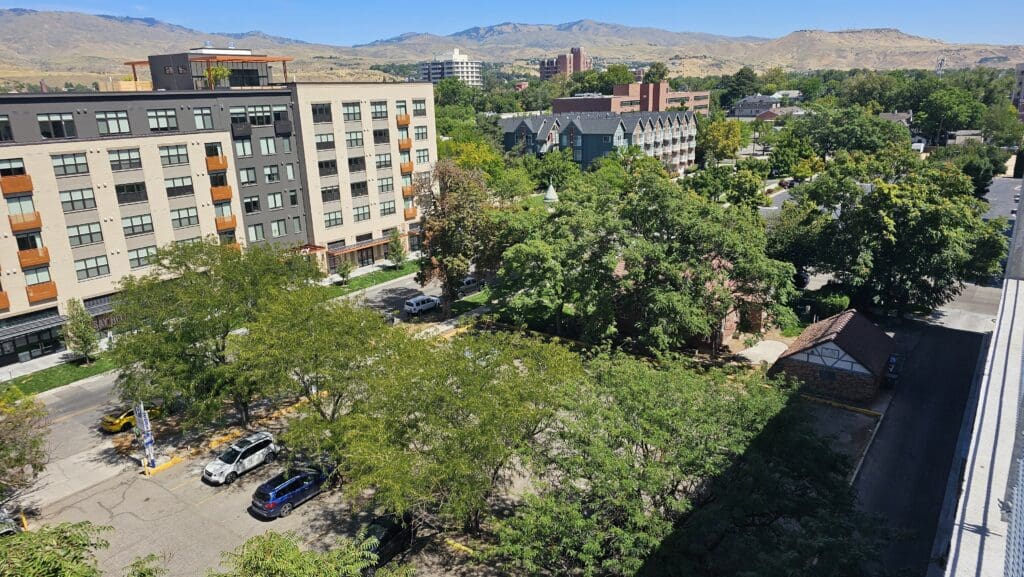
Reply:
x=242, y=456
x=422, y=303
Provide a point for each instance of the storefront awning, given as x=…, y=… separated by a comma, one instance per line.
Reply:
x=29, y=327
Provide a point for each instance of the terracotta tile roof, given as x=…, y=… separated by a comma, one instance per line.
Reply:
x=852, y=332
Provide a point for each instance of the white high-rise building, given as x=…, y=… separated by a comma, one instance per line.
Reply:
x=458, y=66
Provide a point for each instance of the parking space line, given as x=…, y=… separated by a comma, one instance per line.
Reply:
x=181, y=484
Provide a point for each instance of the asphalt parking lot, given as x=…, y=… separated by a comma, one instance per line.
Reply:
x=190, y=523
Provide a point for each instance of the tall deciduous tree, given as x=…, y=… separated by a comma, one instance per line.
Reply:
x=53, y=551
x=396, y=249
x=948, y=109
x=22, y=441
x=454, y=201
x=79, y=332
x=274, y=554
x=656, y=72
x=719, y=139
x=175, y=323
x=1002, y=126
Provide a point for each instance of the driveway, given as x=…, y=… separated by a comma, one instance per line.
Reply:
x=391, y=296
x=903, y=478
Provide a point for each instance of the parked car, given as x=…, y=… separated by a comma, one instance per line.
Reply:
x=244, y=455
x=393, y=534
x=470, y=285
x=421, y=303
x=124, y=419
x=8, y=524
x=285, y=491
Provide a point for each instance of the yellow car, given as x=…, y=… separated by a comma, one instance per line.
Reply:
x=124, y=420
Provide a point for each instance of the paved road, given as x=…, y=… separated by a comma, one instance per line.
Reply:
x=1000, y=197
x=392, y=296
x=904, y=475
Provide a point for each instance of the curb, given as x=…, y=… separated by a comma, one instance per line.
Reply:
x=386, y=284
x=42, y=395
x=839, y=405
x=149, y=472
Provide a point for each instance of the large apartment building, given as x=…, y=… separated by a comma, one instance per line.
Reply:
x=635, y=97
x=93, y=183
x=457, y=66
x=576, y=60
x=667, y=136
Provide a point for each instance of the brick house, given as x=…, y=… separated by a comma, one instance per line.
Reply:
x=843, y=356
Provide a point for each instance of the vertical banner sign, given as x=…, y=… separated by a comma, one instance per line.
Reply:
x=142, y=422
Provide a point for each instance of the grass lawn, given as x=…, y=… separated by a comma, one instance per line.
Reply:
x=477, y=299
x=60, y=375
x=371, y=279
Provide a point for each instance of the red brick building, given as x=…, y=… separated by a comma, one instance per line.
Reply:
x=576, y=60
x=844, y=356
x=635, y=97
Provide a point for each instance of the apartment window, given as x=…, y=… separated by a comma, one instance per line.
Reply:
x=251, y=204
x=75, y=200
x=322, y=113
x=58, y=125
x=419, y=107
x=125, y=159
x=289, y=171
x=163, y=120
x=422, y=155
x=361, y=213
x=359, y=189
x=354, y=139
x=293, y=197
x=271, y=174
x=268, y=146
x=222, y=209
x=243, y=147
x=247, y=176
x=280, y=112
x=36, y=276
x=5, y=128
x=238, y=115
x=297, y=223
x=274, y=200
x=378, y=110
x=386, y=184
x=179, y=186
x=327, y=167
x=330, y=193
x=420, y=132
x=68, y=164
x=325, y=141
x=136, y=225
x=115, y=122
x=286, y=145
x=203, y=118
x=381, y=136
x=219, y=179
x=88, y=268
x=332, y=219
x=140, y=257
x=20, y=205
x=278, y=229
x=131, y=192
x=84, y=234
x=387, y=207
x=255, y=232
x=403, y=133
x=174, y=155
x=383, y=160
x=400, y=107
x=184, y=217
x=351, y=111
x=12, y=167
x=260, y=115
x=357, y=164
x=404, y=157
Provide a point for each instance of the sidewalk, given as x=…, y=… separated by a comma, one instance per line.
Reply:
x=39, y=363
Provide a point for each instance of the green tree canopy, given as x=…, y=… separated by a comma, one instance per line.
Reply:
x=23, y=434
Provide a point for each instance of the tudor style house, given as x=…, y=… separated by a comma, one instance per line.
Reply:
x=843, y=356
x=668, y=136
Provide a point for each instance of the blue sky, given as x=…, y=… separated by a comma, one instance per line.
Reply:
x=337, y=22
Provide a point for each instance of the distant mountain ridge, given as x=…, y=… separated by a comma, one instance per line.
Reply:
x=62, y=45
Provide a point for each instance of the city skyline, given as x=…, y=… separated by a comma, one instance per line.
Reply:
x=321, y=22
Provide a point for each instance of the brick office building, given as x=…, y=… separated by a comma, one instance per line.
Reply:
x=635, y=97
x=576, y=60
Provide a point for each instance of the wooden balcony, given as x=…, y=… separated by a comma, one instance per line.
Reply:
x=408, y=191
x=404, y=144
x=38, y=293
x=410, y=213
x=220, y=193
x=25, y=222
x=226, y=223
x=34, y=257
x=5, y=301
x=406, y=167
x=19, y=184
x=216, y=163
x=402, y=119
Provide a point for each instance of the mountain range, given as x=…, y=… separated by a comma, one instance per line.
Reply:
x=63, y=46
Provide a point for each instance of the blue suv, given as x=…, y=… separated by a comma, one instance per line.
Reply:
x=278, y=496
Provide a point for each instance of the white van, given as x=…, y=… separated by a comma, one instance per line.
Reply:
x=417, y=305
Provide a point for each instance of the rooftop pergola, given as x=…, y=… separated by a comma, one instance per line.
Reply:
x=212, y=60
